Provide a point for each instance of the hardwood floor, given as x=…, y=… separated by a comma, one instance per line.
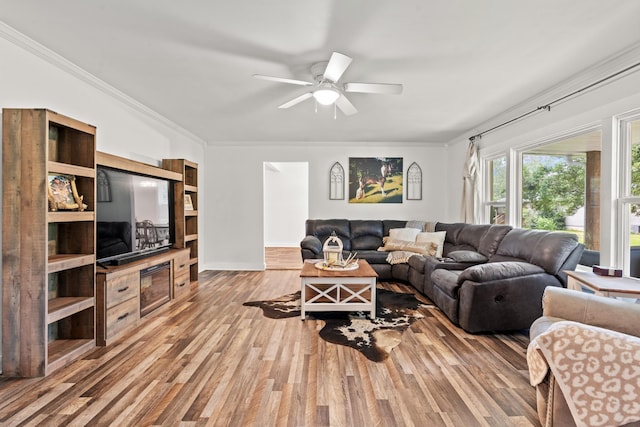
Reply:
x=278, y=258
x=212, y=361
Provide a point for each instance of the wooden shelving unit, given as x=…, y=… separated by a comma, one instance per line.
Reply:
x=48, y=266
x=186, y=220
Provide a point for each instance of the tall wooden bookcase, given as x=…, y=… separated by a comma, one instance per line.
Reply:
x=48, y=257
x=186, y=216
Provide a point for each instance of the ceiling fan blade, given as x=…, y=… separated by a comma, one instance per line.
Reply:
x=382, y=88
x=283, y=80
x=346, y=106
x=296, y=100
x=337, y=65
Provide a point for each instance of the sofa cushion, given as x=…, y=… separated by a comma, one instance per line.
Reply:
x=492, y=238
x=340, y=226
x=498, y=271
x=437, y=237
x=322, y=229
x=452, y=231
x=472, y=234
x=366, y=234
x=417, y=263
x=553, y=250
x=373, y=257
x=446, y=281
x=467, y=256
x=547, y=249
x=361, y=228
x=519, y=244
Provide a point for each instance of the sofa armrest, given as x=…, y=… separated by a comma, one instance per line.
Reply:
x=498, y=271
x=604, y=312
x=312, y=243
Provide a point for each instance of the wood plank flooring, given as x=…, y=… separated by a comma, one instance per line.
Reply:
x=212, y=361
x=279, y=258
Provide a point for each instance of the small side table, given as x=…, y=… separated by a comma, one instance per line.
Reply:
x=623, y=287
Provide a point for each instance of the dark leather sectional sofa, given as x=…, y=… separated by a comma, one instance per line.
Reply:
x=490, y=277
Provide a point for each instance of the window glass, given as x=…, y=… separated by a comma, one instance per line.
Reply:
x=631, y=140
x=633, y=133
x=561, y=187
x=552, y=190
x=497, y=189
x=633, y=250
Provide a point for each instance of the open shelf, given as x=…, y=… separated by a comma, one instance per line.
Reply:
x=49, y=320
x=70, y=216
x=186, y=221
x=67, y=169
x=69, y=261
x=60, y=308
x=62, y=352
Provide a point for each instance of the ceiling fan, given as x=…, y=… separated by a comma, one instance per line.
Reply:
x=325, y=87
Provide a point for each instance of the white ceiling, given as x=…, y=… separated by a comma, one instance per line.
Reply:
x=461, y=62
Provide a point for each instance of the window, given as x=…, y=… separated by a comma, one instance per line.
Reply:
x=496, y=190
x=629, y=240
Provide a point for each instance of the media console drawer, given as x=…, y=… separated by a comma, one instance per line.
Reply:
x=122, y=288
x=181, y=263
x=181, y=285
x=181, y=277
x=120, y=317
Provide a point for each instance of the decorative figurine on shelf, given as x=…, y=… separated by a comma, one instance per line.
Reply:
x=63, y=194
x=332, y=250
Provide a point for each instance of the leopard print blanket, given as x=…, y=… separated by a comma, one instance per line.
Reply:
x=598, y=371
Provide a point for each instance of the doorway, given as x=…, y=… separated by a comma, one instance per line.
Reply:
x=286, y=208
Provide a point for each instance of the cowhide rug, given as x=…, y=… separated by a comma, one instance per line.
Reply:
x=375, y=339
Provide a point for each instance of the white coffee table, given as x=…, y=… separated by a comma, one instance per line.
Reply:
x=330, y=290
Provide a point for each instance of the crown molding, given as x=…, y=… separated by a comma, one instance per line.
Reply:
x=325, y=144
x=22, y=41
x=606, y=67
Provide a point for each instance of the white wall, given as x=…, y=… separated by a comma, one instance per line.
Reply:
x=286, y=202
x=124, y=127
x=234, y=234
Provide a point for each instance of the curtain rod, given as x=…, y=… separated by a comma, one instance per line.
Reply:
x=555, y=101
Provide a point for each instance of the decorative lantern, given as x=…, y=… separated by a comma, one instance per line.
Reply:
x=332, y=250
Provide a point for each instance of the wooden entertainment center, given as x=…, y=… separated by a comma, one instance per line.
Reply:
x=57, y=303
x=119, y=292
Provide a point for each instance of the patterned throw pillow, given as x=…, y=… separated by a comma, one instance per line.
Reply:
x=422, y=248
x=436, y=237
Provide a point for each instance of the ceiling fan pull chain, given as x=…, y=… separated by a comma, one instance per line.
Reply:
x=316, y=102
x=335, y=114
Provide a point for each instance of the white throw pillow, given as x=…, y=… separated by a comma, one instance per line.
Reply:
x=406, y=234
x=436, y=237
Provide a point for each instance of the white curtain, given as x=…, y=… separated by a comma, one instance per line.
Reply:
x=469, y=183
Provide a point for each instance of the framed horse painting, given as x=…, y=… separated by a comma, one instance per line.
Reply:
x=375, y=179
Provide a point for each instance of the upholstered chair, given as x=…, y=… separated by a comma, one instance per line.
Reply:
x=607, y=324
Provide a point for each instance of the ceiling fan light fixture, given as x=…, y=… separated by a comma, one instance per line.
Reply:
x=326, y=96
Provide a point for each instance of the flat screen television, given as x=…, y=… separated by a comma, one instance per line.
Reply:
x=133, y=215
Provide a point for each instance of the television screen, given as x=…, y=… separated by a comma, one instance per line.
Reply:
x=133, y=213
